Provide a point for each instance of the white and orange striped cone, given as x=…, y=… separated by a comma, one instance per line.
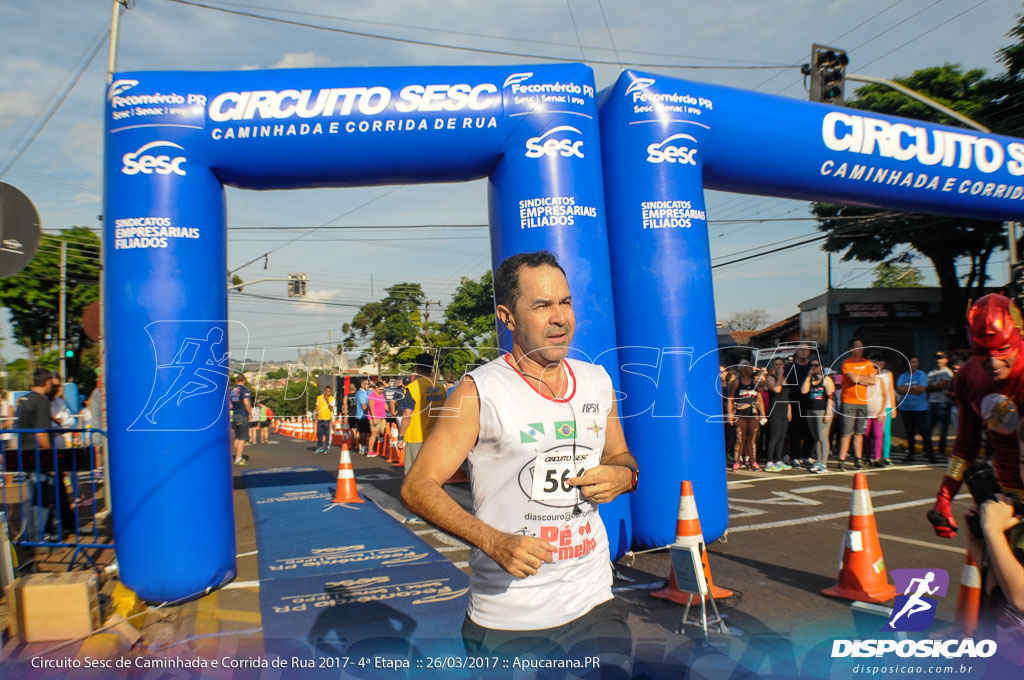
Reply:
x=688, y=533
x=969, y=599
x=862, y=574
x=346, y=491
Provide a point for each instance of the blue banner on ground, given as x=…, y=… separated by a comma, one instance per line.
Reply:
x=333, y=575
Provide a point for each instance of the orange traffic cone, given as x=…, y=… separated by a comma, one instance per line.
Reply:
x=969, y=600
x=688, y=532
x=862, y=574
x=346, y=491
x=399, y=448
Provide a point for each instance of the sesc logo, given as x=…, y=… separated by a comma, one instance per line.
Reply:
x=543, y=146
x=639, y=84
x=147, y=164
x=665, y=152
x=119, y=86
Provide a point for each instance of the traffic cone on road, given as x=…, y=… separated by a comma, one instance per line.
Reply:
x=969, y=599
x=862, y=574
x=459, y=477
x=688, y=533
x=346, y=491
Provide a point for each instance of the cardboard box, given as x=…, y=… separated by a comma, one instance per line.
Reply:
x=59, y=606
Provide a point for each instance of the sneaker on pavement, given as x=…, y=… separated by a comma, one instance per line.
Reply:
x=735, y=466
x=755, y=466
x=858, y=464
x=241, y=462
x=818, y=468
x=785, y=466
x=841, y=465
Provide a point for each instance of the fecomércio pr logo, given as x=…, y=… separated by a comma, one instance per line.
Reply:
x=914, y=610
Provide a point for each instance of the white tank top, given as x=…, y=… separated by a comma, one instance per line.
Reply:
x=523, y=433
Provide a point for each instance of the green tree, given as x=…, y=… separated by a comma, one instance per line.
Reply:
x=390, y=329
x=894, y=275
x=869, y=235
x=467, y=333
x=32, y=295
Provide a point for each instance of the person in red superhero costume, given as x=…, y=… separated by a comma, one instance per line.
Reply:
x=989, y=392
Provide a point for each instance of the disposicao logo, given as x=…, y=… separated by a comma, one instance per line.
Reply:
x=914, y=610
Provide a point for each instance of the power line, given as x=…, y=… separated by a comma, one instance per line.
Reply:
x=505, y=53
x=486, y=36
x=101, y=38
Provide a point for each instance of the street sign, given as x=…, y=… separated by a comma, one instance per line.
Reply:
x=19, y=230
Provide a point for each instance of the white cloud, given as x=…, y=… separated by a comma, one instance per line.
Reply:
x=86, y=197
x=17, y=104
x=302, y=60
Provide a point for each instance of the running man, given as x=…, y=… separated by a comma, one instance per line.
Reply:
x=914, y=603
x=202, y=369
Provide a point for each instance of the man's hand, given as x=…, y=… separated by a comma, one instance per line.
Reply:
x=941, y=516
x=520, y=556
x=603, y=483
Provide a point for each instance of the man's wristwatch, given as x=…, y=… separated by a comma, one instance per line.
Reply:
x=636, y=477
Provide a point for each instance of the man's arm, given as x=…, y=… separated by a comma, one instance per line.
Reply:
x=248, y=406
x=423, y=491
x=858, y=377
x=614, y=475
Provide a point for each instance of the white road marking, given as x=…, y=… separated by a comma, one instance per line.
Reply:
x=775, y=477
x=237, y=585
x=823, y=518
x=923, y=544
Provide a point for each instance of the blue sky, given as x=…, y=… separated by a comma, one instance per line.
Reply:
x=44, y=43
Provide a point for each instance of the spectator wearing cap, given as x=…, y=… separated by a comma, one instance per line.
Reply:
x=939, y=382
x=424, y=398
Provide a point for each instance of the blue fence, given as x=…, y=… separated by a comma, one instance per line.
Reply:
x=50, y=494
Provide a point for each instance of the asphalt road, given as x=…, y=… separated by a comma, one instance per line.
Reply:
x=782, y=547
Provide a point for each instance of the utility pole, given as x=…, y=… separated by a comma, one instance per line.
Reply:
x=115, y=38
x=62, y=313
x=426, y=320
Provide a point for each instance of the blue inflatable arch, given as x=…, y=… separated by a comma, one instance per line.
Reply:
x=664, y=141
x=174, y=139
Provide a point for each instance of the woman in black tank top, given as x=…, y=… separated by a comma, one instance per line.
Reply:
x=819, y=389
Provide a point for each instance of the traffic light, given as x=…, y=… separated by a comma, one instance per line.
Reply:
x=296, y=285
x=69, y=354
x=828, y=74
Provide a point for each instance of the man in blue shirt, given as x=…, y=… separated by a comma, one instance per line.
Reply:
x=911, y=388
x=362, y=406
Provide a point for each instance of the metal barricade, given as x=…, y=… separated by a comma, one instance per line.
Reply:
x=62, y=479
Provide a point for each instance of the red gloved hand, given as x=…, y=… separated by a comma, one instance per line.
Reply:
x=941, y=515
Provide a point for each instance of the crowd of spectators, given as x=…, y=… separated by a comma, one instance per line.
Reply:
x=793, y=412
